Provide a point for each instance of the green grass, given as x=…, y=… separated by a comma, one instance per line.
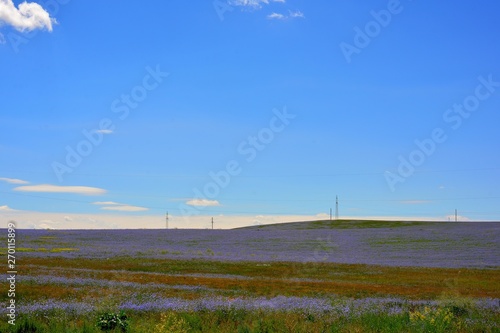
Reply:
x=443, y=319
x=43, y=249
x=339, y=224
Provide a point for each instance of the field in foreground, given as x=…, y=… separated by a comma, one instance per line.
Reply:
x=305, y=277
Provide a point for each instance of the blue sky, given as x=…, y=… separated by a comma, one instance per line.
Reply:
x=250, y=111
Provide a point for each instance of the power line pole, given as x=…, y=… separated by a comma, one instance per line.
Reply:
x=166, y=219
x=330, y=214
x=212, y=223
x=456, y=215
x=336, y=207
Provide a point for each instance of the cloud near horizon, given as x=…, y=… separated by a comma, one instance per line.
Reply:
x=14, y=181
x=116, y=206
x=202, y=203
x=27, y=16
x=47, y=188
x=43, y=220
x=6, y=208
x=125, y=208
x=106, y=203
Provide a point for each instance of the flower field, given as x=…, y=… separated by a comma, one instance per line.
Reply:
x=340, y=276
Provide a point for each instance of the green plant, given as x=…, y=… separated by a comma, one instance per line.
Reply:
x=110, y=321
x=171, y=322
x=27, y=326
x=435, y=320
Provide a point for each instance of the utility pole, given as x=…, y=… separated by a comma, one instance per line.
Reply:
x=330, y=214
x=456, y=216
x=212, y=223
x=166, y=219
x=336, y=207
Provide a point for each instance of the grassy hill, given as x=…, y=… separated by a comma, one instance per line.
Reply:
x=340, y=224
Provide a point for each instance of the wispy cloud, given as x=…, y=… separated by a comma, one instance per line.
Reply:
x=27, y=17
x=106, y=203
x=125, y=208
x=296, y=14
x=202, y=202
x=84, y=190
x=6, y=209
x=108, y=220
x=459, y=218
x=14, y=181
x=254, y=4
x=276, y=16
x=291, y=15
x=111, y=205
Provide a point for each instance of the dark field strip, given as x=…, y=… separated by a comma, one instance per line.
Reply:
x=277, y=278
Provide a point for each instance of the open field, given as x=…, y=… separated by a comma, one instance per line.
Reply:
x=346, y=276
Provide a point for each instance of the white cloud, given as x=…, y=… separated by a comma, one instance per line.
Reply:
x=111, y=205
x=14, y=181
x=28, y=219
x=254, y=4
x=84, y=190
x=258, y=4
x=202, y=202
x=106, y=203
x=248, y=3
x=45, y=226
x=44, y=220
x=460, y=218
x=291, y=15
x=296, y=14
x=276, y=16
x=6, y=209
x=27, y=17
x=125, y=208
